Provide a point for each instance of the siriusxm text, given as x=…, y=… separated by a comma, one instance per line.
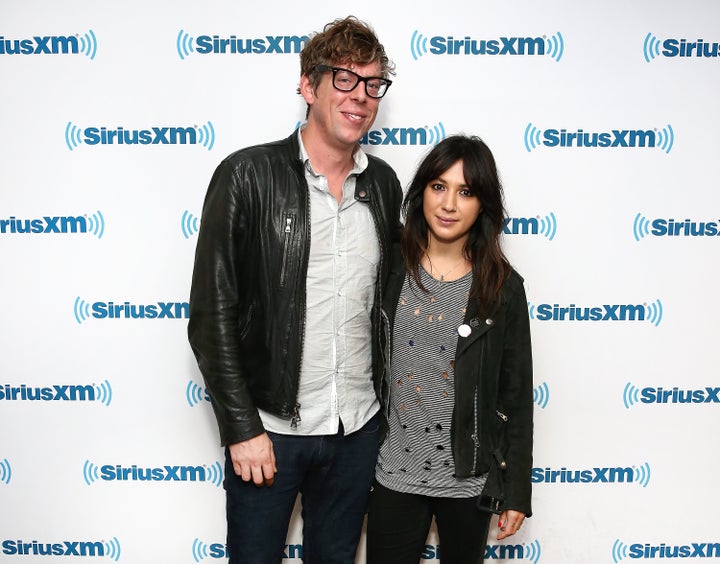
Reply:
x=151, y=136
x=492, y=552
x=40, y=45
x=676, y=395
x=58, y=392
x=126, y=310
x=501, y=46
x=694, y=550
x=605, y=312
x=206, y=44
x=46, y=224
x=218, y=550
x=684, y=48
x=583, y=476
x=134, y=473
x=63, y=548
x=613, y=138
x=396, y=136
x=686, y=228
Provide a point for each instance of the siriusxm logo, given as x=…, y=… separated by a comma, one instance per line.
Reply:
x=618, y=475
x=5, y=471
x=126, y=310
x=195, y=394
x=189, y=224
x=545, y=226
x=672, y=47
x=83, y=224
x=202, y=550
x=659, y=395
x=426, y=135
x=212, y=473
x=51, y=45
x=606, y=312
x=662, y=139
x=620, y=550
x=216, y=45
x=553, y=46
x=670, y=227
x=203, y=135
x=525, y=551
x=101, y=393
x=101, y=549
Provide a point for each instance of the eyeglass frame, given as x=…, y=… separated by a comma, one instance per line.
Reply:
x=325, y=68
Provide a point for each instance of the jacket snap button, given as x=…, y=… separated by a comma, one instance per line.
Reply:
x=489, y=321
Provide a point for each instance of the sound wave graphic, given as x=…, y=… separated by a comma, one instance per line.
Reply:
x=112, y=549
x=541, y=395
x=641, y=227
x=619, y=551
x=555, y=46
x=72, y=136
x=104, y=394
x=88, y=44
x=631, y=395
x=532, y=137
x=548, y=226
x=96, y=224
x=81, y=309
x=642, y=475
x=199, y=550
x=666, y=138
x=531, y=310
x=184, y=44
x=654, y=312
x=437, y=133
x=215, y=474
x=206, y=135
x=193, y=394
x=418, y=45
x=91, y=473
x=651, y=47
x=189, y=224
x=533, y=551
x=5, y=471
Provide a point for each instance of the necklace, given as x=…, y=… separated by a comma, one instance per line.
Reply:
x=442, y=276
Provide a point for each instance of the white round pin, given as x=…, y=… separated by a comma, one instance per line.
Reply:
x=464, y=330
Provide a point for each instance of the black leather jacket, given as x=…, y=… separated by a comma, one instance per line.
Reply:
x=492, y=425
x=247, y=303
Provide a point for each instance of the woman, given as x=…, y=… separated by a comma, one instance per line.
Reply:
x=460, y=405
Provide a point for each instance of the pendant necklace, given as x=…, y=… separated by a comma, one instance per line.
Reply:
x=442, y=276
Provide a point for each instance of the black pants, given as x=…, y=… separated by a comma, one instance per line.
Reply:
x=398, y=525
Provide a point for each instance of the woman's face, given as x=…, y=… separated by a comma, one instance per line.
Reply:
x=449, y=208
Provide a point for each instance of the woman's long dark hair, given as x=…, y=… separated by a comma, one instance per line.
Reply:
x=489, y=264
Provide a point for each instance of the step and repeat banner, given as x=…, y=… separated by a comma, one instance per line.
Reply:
x=605, y=124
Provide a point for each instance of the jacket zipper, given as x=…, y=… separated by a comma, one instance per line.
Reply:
x=286, y=250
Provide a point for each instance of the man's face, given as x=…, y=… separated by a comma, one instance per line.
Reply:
x=339, y=118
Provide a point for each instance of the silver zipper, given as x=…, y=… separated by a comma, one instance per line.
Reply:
x=286, y=251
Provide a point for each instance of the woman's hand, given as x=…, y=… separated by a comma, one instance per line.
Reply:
x=509, y=523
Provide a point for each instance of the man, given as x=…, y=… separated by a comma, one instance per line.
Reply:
x=285, y=309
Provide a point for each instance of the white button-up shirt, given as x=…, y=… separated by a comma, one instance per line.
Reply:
x=336, y=371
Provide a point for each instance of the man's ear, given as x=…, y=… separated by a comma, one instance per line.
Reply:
x=306, y=89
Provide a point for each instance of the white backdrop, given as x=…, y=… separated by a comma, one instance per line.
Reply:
x=108, y=447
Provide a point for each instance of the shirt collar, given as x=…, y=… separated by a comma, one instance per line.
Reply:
x=360, y=160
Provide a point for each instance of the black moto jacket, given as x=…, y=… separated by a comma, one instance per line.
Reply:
x=247, y=302
x=492, y=424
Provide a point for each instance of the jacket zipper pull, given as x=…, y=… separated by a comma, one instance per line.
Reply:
x=296, y=417
x=501, y=416
x=288, y=223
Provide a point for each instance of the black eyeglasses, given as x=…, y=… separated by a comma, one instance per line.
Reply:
x=346, y=80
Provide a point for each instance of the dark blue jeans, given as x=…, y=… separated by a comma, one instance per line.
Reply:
x=333, y=474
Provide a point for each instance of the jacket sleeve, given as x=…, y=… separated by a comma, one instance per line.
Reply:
x=516, y=397
x=217, y=311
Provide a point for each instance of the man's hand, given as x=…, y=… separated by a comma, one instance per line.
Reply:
x=254, y=460
x=509, y=523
